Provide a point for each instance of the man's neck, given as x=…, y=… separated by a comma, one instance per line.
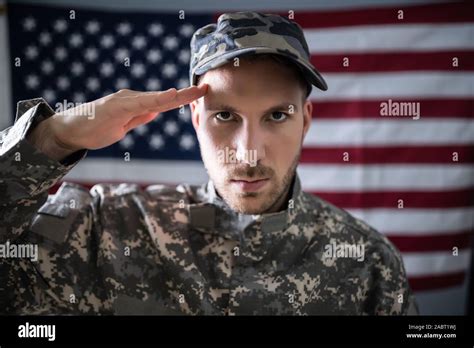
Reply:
x=282, y=202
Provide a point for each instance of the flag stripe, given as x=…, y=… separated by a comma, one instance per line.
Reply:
x=407, y=131
x=436, y=263
x=391, y=38
x=392, y=85
x=423, y=283
x=429, y=221
x=394, y=61
x=390, y=199
x=442, y=242
x=389, y=154
x=429, y=13
x=361, y=109
x=387, y=177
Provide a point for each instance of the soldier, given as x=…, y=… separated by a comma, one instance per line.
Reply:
x=250, y=241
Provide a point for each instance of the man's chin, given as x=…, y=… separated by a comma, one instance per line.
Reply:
x=248, y=203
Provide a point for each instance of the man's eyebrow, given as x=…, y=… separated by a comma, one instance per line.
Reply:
x=279, y=107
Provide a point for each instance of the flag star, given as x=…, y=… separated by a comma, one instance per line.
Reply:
x=121, y=54
x=183, y=83
x=60, y=25
x=107, y=41
x=91, y=54
x=77, y=68
x=49, y=95
x=63, y=82
x=124, y=28
x=107, y=69
x=186, y=30
x=47, y=67
x=121, y=83
x=79, y=97
x=127, y=142
x=153, y=84
x=139, y=42
x=32, y=81
x=184, y=56
x=184, y=115
x=31, y=52
x=171, y=128
x=187, y=142
x=155, y=29
x=153, y=56
x=92, y=84
x=45, y=38
x=170, y=42
x=141, y=130
x=75, y=40
x=138, y=70
x=156, y=142
x=60, y=53
x=92, y=27
x=29, y=23
x=169, y=70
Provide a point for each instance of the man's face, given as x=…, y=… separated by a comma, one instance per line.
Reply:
x=250, y=126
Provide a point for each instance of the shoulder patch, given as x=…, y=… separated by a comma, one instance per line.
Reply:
x=55, y=217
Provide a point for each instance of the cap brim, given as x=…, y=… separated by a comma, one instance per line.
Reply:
x=310, y=73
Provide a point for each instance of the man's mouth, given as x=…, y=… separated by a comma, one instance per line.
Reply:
x=249, y=185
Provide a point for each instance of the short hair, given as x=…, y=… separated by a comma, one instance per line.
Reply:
x=282, y=61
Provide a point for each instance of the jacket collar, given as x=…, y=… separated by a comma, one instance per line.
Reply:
x=257, y=233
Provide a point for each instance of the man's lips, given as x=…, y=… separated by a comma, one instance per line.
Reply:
x=250, y=185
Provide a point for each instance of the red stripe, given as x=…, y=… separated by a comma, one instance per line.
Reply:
x=388, y=154
x=432, y=242
x=429, y=108
x=450, y=12
x=436, y=282
x=394, y=61
x=389, y=199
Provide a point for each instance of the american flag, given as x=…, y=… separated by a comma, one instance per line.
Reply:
x=411, y=178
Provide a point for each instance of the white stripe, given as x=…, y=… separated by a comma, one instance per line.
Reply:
x=420, y=221
x=400, y=130
x=385, y=177
x=391, y=38
x=101, y=170
x=395, y=85
x=314, y=177
x=436, y=263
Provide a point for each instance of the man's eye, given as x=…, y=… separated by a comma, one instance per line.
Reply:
x=278, y=116
x=224, y=116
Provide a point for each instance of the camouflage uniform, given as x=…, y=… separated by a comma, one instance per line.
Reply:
x=118, y=249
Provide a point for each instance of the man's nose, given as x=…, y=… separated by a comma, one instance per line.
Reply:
x=250, y=144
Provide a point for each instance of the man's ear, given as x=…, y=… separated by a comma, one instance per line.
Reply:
x=195, y=114
x=307, y=116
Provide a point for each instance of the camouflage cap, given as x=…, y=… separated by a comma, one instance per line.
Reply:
x=242, y=33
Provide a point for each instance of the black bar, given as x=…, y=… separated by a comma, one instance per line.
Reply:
x=137, y=330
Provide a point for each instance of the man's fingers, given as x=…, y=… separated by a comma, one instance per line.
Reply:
x=144, y=101
x=139, y=120
x=184, y=96
x=160, y=101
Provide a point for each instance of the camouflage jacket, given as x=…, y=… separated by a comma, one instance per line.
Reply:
x=120, y=249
